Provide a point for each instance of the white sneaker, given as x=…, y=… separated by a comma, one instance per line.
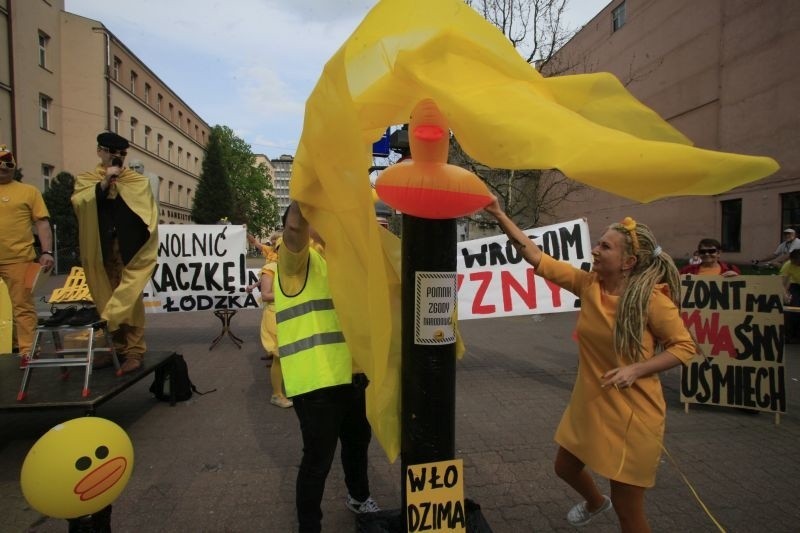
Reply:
x=367, y=506
x=580, y=515
x=281, y=401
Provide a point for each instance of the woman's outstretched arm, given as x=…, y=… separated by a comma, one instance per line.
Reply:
x=528, y=249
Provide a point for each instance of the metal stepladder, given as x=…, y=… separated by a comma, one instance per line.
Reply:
x=86, y=353
x=75, y=290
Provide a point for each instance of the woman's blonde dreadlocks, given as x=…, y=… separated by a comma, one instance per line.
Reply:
x=652, y=266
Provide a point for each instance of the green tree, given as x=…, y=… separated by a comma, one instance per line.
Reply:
x=62, y=218
x=214, y=198
x=253, y=201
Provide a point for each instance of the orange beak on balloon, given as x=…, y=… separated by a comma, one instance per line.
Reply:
x=425, y=186
x=101, y=478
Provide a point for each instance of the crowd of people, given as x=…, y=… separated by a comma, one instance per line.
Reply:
x=629, y=330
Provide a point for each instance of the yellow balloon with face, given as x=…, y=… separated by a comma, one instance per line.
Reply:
x=77, y=468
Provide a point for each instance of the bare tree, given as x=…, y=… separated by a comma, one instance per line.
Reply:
x=537, y=30
x=535, y=27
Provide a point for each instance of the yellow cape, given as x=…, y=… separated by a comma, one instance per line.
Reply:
x=504, y=114
x=122, y=305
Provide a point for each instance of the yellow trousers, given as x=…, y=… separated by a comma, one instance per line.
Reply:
x=128, y=340
x=25, y=319
x=269, y=339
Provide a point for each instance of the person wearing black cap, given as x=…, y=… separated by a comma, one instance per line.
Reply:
x=118, y=232
x=21, y=208
x=789, y=243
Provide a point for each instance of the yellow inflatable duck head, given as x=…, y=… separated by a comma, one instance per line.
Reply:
x=425, y=185
x=77, y=468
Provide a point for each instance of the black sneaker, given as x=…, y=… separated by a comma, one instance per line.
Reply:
x=60, y=316
x=84, y=317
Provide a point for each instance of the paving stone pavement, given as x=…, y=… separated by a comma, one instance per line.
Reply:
x=227, y=461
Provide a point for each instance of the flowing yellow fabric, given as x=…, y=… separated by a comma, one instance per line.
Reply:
x=122, y=305
x=504, y=114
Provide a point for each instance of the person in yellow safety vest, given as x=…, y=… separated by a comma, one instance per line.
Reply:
x=328, y=395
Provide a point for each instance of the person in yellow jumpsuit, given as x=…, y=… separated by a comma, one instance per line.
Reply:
x=21, y=208
x=629, y=329
x=269, y=327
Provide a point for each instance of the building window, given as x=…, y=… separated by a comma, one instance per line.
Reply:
x=147, y=93
x=790, y=210
x=731, y=225
x=147, y=133
x=180, y=119
x=188, y=197
x=134, y=77
x=45, y=102
x=618, y=17
x=47, y=175
x=188, y=160
x=117, y=119
x=159, y=140
x=170, y=144
x=171, y=112
x=180, y=194
x=195, y=164
x=44, y=41
x=159, y=101
x=204, y=137
x=196, y=131
x=160, y=187
x=180, y=154
x=117, y=67
x=134, y=123
x=169, y=192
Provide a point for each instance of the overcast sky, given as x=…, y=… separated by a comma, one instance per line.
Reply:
x=247, y=64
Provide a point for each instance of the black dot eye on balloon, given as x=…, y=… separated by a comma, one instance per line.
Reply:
x=83, y=463
x=101, y=452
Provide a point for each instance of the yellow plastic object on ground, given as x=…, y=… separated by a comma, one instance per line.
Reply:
x=6, y=320
x=74, y=290
x=504, y=114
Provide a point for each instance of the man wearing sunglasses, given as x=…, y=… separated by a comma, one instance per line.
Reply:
x=21, y=208
x=118, y=232
x=709, y=251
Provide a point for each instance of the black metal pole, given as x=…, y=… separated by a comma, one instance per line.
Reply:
x=428, y=370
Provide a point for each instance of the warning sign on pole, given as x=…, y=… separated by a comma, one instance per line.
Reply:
x=435, y=299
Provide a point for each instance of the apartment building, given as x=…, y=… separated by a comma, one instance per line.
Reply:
x=280, y=180
x=724, y=73
x=66, y=78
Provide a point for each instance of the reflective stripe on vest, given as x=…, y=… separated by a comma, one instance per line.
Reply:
x=311, y=345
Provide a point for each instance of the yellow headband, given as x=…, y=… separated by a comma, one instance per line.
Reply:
x=629, y=224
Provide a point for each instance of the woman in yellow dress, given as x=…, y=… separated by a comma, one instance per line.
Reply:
x=629, y=329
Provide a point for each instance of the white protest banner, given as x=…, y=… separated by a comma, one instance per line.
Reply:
x=738, y=324
x=200, y=267
x=495, y=281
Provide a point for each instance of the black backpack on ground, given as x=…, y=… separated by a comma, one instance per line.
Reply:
x=183, y=385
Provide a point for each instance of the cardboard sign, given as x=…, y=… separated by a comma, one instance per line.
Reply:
x=738, y=324
x=435, y=497
x=494, y=280
x=200, y=267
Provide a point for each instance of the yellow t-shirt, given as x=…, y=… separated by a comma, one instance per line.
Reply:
x=20, y=206
x=791, y=271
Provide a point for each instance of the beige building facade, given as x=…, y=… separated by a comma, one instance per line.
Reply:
x=725, y=73
x=67, y=78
